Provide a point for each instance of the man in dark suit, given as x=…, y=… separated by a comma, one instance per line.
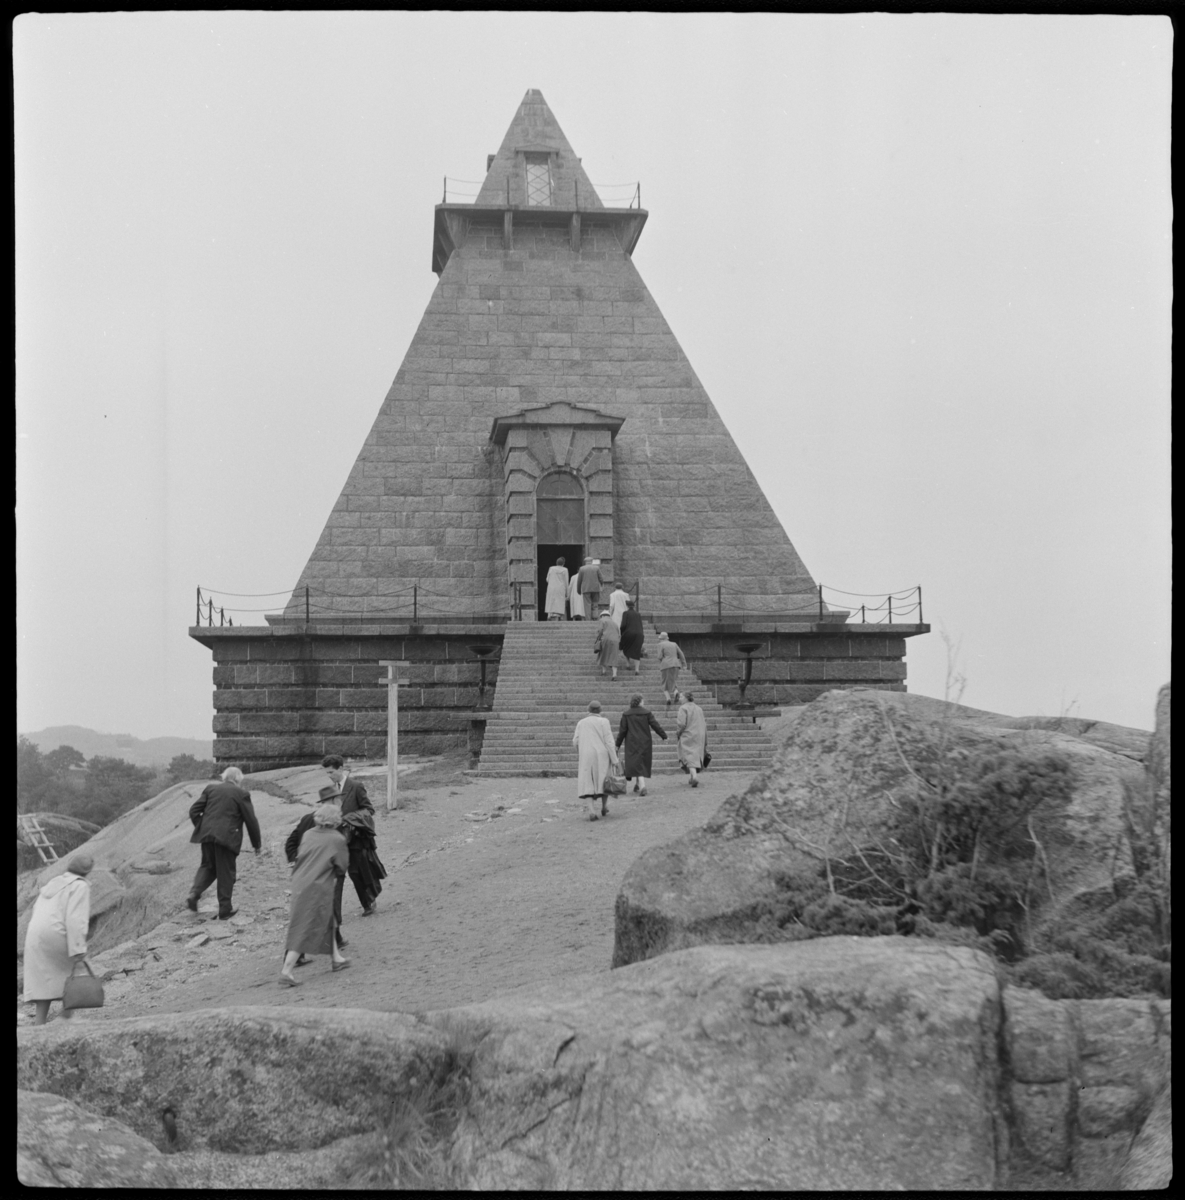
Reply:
x=218, y=817
x=353, y=799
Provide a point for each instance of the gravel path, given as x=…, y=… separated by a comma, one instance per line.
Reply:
x=492, y=884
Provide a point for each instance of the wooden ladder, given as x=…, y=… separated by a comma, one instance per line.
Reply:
x=35, y=836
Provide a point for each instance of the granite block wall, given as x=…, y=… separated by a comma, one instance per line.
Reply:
x=284, y=700
x=1082, y=1076
x=794, y=668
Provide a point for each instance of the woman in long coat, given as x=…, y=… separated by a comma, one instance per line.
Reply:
x=594, y=742
x=607, y=643
x=632, y=635
x=691, y=729
x=557, y=591
x=56, y=937
x=636, y=725
x=575, y=600
x=323, y=859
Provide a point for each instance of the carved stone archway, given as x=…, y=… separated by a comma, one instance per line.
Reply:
x=533, y=443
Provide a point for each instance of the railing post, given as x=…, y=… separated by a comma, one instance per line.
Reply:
x=209, y=613
x=719, y=604
x=919, y=604
x=890, y=608
x=415, y=603
x=199, y=606
x=445, y=200
x=306, y=603
x=862, y=620
x=820, y=603
x=222, y=616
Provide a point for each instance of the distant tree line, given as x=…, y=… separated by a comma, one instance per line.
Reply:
x=97, y=789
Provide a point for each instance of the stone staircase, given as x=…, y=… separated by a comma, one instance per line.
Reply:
x=548, y=674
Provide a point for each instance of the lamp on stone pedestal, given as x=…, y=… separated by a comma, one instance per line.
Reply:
x=746, y=648
x=483, y=653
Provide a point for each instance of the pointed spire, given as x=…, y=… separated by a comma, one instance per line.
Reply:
x=535, y=132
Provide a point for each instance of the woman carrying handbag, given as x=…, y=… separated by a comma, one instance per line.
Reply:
x=56, y=939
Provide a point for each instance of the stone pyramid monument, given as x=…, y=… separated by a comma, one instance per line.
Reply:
x=544, y=410
x=545, y=407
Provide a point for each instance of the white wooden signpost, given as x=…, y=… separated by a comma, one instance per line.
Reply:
x=394, y=683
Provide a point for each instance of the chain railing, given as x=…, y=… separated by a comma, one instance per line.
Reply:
x=611, y=195
x=416, y=604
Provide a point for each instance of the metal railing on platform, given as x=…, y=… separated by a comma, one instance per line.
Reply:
x=418, y=604
x=610, y=195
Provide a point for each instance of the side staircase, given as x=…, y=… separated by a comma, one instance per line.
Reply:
x=547, y=676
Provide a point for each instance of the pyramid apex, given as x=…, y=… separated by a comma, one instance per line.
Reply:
x=536, y=165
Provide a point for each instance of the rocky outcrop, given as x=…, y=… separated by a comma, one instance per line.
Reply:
x=837, y=1063
x=60, y=1144
x=1083, y=1076
x=65, y=834
x=843, y=759
x=239, y=1080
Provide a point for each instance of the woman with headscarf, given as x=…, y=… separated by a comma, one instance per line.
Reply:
x=607, y=643
x=691, y=729
x=632, y=635
x=322, y=859
x=636, y=725
x=56, y=938
x=557, y=591
x=593, y=740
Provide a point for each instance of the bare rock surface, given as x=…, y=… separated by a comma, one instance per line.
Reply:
x=841, y=760
x=841, y=1063
x=1149, y=1165
x=60, y=1144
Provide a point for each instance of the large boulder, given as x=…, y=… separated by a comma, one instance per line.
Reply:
x=243, y=1080
x=60, y=1144
x=836, y=1064
x=833, y=780
x=839, y=1063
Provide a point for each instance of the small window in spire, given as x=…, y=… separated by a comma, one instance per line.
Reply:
x=538, y=179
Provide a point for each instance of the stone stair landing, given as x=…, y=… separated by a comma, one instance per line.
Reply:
x=547, y=676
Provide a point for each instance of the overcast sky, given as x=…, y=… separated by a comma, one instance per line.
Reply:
x=920, y=263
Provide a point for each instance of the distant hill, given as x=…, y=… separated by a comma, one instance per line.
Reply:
x=149, y=752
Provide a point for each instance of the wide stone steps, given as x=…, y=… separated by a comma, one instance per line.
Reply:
x=546, y=677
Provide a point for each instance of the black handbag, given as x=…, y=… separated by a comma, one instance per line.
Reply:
x=707, y=761
x=82, y=991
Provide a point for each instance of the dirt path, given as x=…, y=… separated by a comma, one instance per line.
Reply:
x=474, y=904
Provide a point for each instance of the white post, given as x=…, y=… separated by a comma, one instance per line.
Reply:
x=393, y=685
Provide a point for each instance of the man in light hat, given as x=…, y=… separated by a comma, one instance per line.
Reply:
x=218, y=817
x=56, y=937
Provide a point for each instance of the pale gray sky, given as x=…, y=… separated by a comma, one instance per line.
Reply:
x=921, y=263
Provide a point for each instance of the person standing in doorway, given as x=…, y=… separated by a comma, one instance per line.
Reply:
x=589, y=585
x=218, y=817
x=575, y=603
x=637, y=723
x=557, y=591
x=670, y=659
x=691, y=728
x=593, y=740
x=632, y=635
x=618, y=598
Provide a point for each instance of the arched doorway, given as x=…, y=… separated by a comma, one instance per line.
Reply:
x=559, y=527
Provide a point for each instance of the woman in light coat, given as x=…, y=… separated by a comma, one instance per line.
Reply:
x=593, y=740
x=56, y=938
x=608, y=643
x=557, y=591
x=323, y=859
x=691, y=728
